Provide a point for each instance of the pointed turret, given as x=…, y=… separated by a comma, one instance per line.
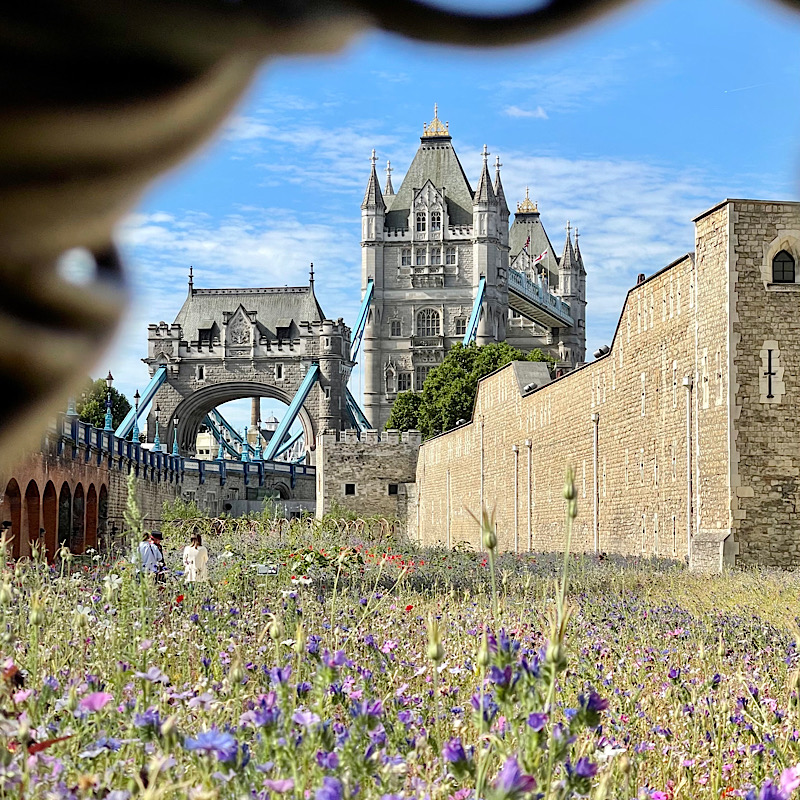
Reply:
x=569, y=261
x=389, y=190
x=373, y=199
x=485, y=192
x=571, y=288
x=578, y=255
x=498, y=190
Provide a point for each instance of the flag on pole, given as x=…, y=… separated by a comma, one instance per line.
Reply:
x=539, y=257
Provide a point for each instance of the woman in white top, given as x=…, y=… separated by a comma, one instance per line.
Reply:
x=195, y=560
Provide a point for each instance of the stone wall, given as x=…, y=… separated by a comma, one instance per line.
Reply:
x=633, y=486
x=379, y=469
x=766, y=435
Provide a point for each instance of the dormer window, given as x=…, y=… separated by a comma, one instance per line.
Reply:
x=421, y=222
x=436, y=220
x=783, y=268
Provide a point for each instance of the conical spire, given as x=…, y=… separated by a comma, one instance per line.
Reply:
x=569, y=260
x=498, y=187
x=389, y=190
x=485, y=193
x=373, y=197
x=578, y=256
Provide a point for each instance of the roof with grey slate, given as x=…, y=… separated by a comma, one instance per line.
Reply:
x=436, y=160
x=274, y=307
x=525, y=225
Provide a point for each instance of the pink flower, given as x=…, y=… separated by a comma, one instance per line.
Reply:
x=95, y=701
x=22, y=695
x=790, y=780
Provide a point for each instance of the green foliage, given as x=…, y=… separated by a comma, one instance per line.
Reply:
x=449, y=391
x=180, y=509
x=91, y=407
x=405, y=412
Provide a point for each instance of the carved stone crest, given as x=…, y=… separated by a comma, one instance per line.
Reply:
x=239, y=332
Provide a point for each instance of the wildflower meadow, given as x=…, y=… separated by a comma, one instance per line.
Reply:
x=332, y=660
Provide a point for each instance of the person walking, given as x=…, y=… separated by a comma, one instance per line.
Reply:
x=161, y=564
x=151, y=556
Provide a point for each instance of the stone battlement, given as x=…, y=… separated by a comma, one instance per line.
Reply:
x=373, y=437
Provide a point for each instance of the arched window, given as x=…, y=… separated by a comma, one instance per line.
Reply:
x=450, y=255
x=436, y=255
x=405, y=259
x=783, y=268
x=420, y=222
x=428, y=322
x=461, y=326
x=396, y=328
x=436, y=220
x=421, y=259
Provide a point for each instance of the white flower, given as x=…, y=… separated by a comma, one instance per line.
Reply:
x=112, y=581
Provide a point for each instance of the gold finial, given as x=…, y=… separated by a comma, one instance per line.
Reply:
x=527, y=206
x=435, y=127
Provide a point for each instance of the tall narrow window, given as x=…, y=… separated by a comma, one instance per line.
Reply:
x=421, y=227
x=436, y=255
x=395, y=330
x=450, y=255
x=403, y=381
x=405, y=258
x=461, y=326
x=783, y=268
x=428, y=322
x=436, y=220
x=419, y=378
x=279, y=372
x=421, y=258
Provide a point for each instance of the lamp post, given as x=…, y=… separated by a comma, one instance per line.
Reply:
x=245, y=447
x=109, y=426
x=220, y=450
x=135, y=433
x=156, y=439
x=175, y=450
x=258, y=454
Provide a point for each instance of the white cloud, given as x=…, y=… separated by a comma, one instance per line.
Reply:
x=522, y=113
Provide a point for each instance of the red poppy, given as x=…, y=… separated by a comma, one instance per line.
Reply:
x=179, y=598
x=408, y=608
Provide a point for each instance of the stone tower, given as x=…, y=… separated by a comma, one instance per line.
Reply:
x=426, y=247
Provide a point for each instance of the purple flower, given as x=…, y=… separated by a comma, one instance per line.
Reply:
x=153, y=675
x=96, y=701
x=331, y=789
x=674, y=674
x=279, y=787
x=305, y=718
x=327, y=760
x=149, y=719
x=511, y=782
x=594, y=702
x=453, y=752
x=279, y=675
x=214, y=742
x=337, y=659
x=790, y=780
x=537, y=720
x=585, y=769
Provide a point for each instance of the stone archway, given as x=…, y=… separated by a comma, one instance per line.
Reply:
x=90, y=539
x=12, y=502
x=102, y=517
x=78, y=530
x=64, y=515
x=33, y=509
x=192, y=410
x=50, y=520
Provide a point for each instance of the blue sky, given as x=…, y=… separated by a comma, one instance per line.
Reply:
x=628, y=128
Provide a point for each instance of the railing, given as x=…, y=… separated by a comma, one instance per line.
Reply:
x=536, y=293
x=427, y=341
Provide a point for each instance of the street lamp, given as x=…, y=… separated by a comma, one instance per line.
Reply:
x=135, y=434
x=109, y=426
x=245, y=447
x=156, y=440
x=175, y=450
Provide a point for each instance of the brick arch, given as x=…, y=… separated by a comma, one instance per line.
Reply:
x=64, y=515
x=33, y=512
x=102, y=515
x=78, y=527
x=12, y=504
x=90, y=539
x=50, y=519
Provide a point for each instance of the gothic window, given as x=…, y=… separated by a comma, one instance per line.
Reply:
x=403, y=381
x=279, y=372
x=436, y=255
x=201, y=372
x=461, y=326
x=783, y=268
x=450, y=255
x=421, y=258
x=421, y=227
x=428, y=322
x=405, y=258
x=419, y=377
x=436, y=220
x=395, y=328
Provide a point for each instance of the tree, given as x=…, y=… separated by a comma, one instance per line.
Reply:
x=91, y=407
x=405, y=412
x=449, y=391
